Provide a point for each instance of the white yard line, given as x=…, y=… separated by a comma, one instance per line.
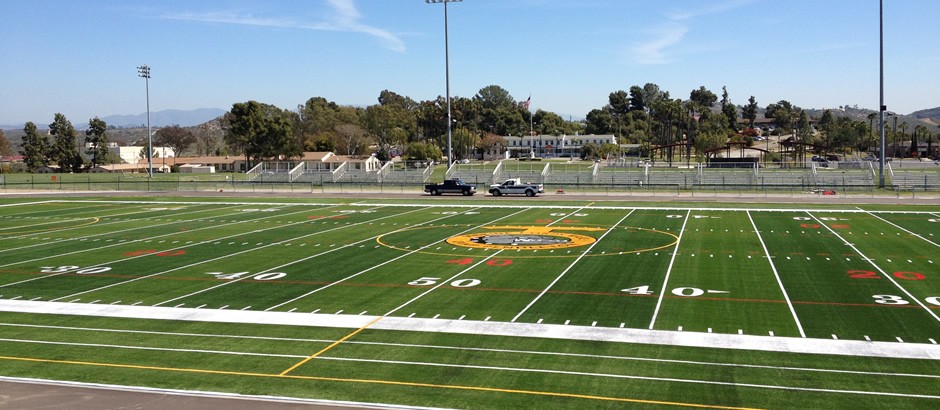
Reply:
x=327, y=286
x=149, y=239
x=875, y=265
x=491, y=206
x=479, y=349
x=301, y=259
x=483, y=367
x=672, y=261
x=839, y=347
x=773, y=267
x=142, y=241
x=26, y=203
x=109, y=233
x=633, y=377
x=444, y=282
x=163, y=349
x=216, y=258
x=905, y=230
x=36, y=225
x=571, y=265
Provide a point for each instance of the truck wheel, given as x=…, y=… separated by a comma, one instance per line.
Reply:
x=496, y=192
x=435, y=192
x=530, y=193
x=467, y=193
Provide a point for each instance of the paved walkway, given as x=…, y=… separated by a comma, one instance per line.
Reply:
x=469, y=327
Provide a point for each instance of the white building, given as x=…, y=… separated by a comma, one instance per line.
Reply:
x=547, y=146
x=131, y=155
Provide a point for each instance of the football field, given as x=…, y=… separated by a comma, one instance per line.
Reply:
x=484, y=303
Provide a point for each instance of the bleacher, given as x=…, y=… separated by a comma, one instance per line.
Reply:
x=474, y=173
x=924, y=177
x=406, y=172
x=532, y=172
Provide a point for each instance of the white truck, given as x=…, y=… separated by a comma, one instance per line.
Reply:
x=516, y=186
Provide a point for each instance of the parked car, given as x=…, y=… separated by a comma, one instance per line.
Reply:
x=516, y=186
x=451, y=186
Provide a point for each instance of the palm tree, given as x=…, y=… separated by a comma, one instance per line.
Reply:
x=903, y=129
x=871, y=130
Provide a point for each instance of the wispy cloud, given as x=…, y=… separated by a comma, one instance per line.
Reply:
x=343, y=17
x=662, y=41
x=653, y=51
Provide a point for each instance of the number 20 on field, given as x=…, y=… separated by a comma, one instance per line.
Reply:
x=867, y=274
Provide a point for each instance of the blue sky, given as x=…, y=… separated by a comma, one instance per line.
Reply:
x=80, y=57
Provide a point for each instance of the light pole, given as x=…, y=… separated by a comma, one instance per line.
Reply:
x=881, y=92
x=450, y=159
x=144, y=71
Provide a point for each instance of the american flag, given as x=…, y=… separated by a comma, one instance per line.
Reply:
x=526, y=103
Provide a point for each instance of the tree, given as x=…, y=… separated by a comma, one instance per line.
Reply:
x=494, y=97
x=729, y=110
x=175, y=137
x=387, y=97
x=702, y=100
x=144, y=150
x=422, y=151
x=750, y=111
x=904, y=127
x=65, y=148
x=35, y=148
x=599, y=122
x=351, y=139
x=96, y=139
x=464, y=142
x=389, y=125
x=638, y=99
x=492, y=143
x=826, y=125
x=5, y=149
x=261, y=131
x=782, y=113
x=712, y=133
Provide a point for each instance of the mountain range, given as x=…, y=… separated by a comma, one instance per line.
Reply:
x=183, y=118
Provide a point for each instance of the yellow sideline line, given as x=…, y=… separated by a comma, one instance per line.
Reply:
x=325, y=349
x=367, y=381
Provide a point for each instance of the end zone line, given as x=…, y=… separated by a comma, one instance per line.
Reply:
x=773, y=267
x=326, y=349
x=905, y=230
x=672, y=261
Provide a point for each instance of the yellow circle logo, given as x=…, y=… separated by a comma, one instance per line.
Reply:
x=524, y=238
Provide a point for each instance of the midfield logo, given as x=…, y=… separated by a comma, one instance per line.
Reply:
x=525, y=238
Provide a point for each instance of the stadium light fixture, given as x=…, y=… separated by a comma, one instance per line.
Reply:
x=450, y=154
x=144, y=71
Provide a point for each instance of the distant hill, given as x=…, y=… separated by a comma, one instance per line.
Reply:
x=931, y=116
x=165, y=118
x=183, y=118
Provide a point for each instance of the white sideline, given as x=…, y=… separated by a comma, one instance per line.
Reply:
x=469, y=327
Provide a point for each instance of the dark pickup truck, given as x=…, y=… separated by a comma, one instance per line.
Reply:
x=451, y=186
